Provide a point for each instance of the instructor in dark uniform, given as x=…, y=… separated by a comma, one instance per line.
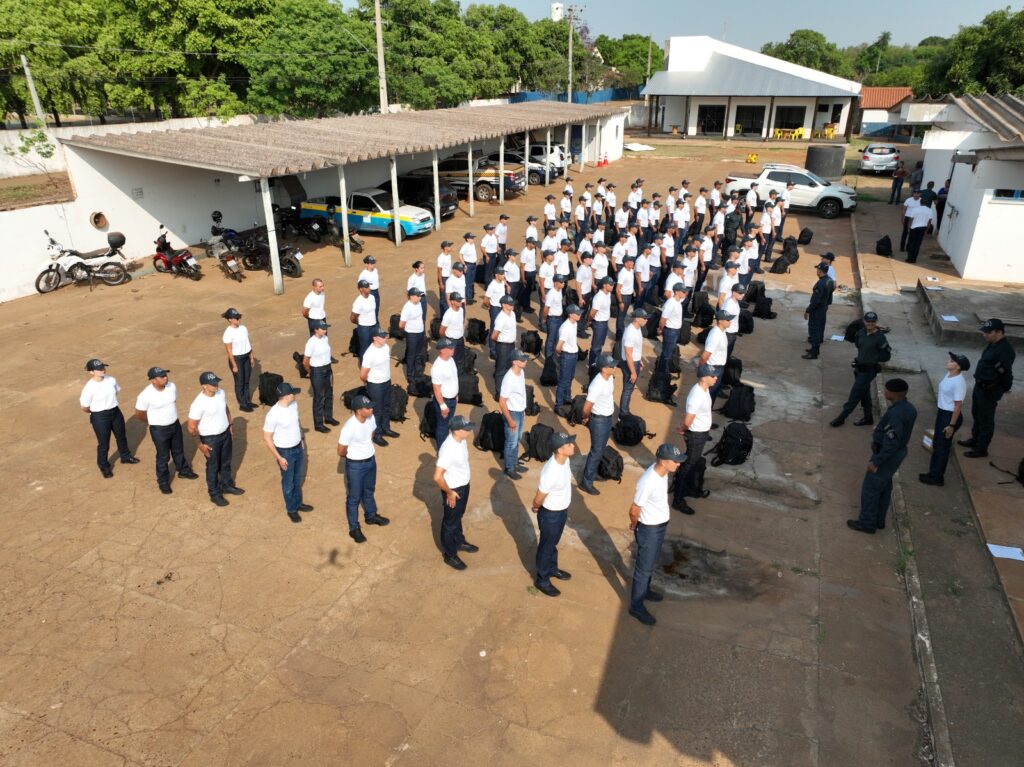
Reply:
x=888, y=449
x=992, y=379
x=872, y=350
x=817, y=311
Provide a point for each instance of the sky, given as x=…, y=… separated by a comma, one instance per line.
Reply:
x=751, y=24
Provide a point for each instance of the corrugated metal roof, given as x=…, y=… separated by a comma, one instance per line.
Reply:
x=284, y=147
x=728, y=76
x=883, y=98
x=1003, y=115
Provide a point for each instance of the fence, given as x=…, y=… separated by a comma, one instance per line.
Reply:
x=580, y=97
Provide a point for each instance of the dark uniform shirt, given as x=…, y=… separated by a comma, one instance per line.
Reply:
x=821, y=295
x=996, y=365
x=893, y=432
x=872, y=349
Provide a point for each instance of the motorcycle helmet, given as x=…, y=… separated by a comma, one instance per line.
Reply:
x=217, y=216
x=330, y=210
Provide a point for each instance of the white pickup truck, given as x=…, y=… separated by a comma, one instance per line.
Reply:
x=809, y=190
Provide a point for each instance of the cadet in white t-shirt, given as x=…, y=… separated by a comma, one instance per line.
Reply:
x=364, y=315
x=355, y=445
x=567, y=350
x=444, y=271
x=313, y=305
x=418, y=280
x=597, y=417
x=716, y=347
x=696, y=423
x=600, y=314
x=670, y=325
x=496, y=288
x=99, y=400
x=632, y=351
x=468, y=252
x=156, y=406
x=529, y=259
x=282, y=435
x=372, y=276
x=551, y=505
x=648, y=518
x=732, y=305
x=512, y=404
x=948, y=417
x=210, y=420
x=410, y=321
x=453, y=325
x=503, y=336
x=553, y=314
x=240, y=357
x=375, y=373
x=444, y=379
x=452, y=476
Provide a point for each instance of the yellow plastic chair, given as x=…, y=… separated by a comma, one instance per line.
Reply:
x=798, y=133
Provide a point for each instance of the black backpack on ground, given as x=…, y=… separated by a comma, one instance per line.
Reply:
x=393, y=327
x=481, y=275
x=702, y=336
x=805, y=236
x=575, y=416
x=469, y=389
x=476, y=331
x=351, y=394
x=733, y=372
x=435, y=328
x=297, y=356
x=755, y=292
x=763, y=309
x=630, y=430
x=704, y=317
x=268, y=388
x=661, y=389
x=685, y=332
x=490, y=435
x=611, y=464
x=734, y=446
x=532, y=408
x=740, y=405
x=549, y=375
x=570, y=295
x=353, y=344
x=789, y=248
x=675, y=362
x=651, y=328
x=883, y=247
x=581, y=356
x=399, y=403
x=530, y=343
x=428, y=422
x=780, y=265
x=700, y=298
x=420, y=386
x=538, y=443
x=694, y=485
x=468, y=364
x=746, y=322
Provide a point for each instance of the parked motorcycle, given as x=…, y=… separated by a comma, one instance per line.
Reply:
x=256, y=255
x=168, y=260
x=230, y=237
x=70, y=265
x=291, y=222
x=355, y=242
x=227, y=257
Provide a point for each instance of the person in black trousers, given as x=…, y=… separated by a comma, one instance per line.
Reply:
x=948, y=418
x=157, y=406
x=817, y=311
x=99, y=400
x=992, y=379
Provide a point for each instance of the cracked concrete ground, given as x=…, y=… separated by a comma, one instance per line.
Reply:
x=142, y=629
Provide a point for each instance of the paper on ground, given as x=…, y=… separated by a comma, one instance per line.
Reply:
x=950, y=318
x=838, y=338
x=1006, y=552
x=638, y=147
x=930, y=278
x=934, y=287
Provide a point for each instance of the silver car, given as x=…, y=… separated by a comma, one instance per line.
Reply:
x=879, y=158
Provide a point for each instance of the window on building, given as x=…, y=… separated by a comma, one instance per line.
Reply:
x=790, y=118
x=1006, y=195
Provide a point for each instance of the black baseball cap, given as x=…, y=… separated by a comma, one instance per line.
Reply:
x=232, y=314
x=962, y=362
x=95, y=364
x=461, y=423
x=369, y=260
x=561, y=439
x=446, y=243
x=209, y=378
x=284, y=389
x=992, y=324
x=669, y=452
x=156, y=372
x=361, y=402
x=321, y=325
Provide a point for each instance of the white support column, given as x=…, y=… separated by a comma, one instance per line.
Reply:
x=346, y=247
x=470, y=191
x=583, y=145
x=526, y=141
x=396, y=221
x=501, y=172
x=547, y=164
x=568, y=148
x=599, y=158
x=268, y=216
x=437, y=193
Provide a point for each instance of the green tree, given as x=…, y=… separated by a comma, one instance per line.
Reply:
x=983, y=58
x=810, y=49
x=628, y=54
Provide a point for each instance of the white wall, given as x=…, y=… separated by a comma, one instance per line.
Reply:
x=940, y=145
x=673, y=112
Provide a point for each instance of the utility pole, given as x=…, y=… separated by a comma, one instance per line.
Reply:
x=383, y=80
x=650, y=43
x=32, y=90
x=568, y=17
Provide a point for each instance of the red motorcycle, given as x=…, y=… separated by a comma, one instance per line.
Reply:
x=168, y=260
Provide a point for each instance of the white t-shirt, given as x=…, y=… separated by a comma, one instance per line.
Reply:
x=751, y=198
x=418, y=281
x=501, y=232
x=358, y=438
x=585, y=279
x=444, y=263
x=378, y=360
x=561, y=262
x=505, y=325
x=556, y=482
x=531, y=231
x=643, y=218
x=454, y=323
x=567, y=337
x=618, y=253
x=528, y=257
x=733, y=307
x=513, y=389
x=210, y=412
x=725, y=286
x=715, y=197
x=545, y=273
x=455, y=284
x=951, y=390
x=495, y=290
x=445, y=373
x=553, y=302
x=550, y=242
x=160, y=407
x=602, y=393
x=672, y=313
x=652, y=497
x=643, y=267
x=718, y=345
x=489, y=243
x=366, y=308
x=689, y=270
x=100, y=395
x=698, y=402
x=719, y=222
x=318, y=349
x=600, y=265
x=239, y=340
x=921, y=216
x=621, y=218
x=603, y=305
x=633, y=337
x=908, y=205
x=627, y=281
x=453, y=457
x=700, y=205
x=412, y=316
x=372, y=276
x=512, y=274
x=315, y=304
x=549, y=211
x=283, y=423
x=468, y=252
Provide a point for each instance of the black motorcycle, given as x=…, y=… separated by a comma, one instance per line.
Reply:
x=291, y=222
x=256, y=255
x=333, y=232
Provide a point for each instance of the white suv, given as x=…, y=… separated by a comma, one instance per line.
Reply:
x=809, y=190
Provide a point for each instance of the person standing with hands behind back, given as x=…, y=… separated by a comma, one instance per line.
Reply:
x=99, y=400
x=283, y=437
x=157, y=407
x=210, y=419
x=551, y=505
x=240, y=358
x=452, y=476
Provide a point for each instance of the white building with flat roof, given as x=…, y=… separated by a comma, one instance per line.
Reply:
x=712, y=88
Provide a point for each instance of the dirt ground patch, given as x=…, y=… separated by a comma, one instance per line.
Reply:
x=42, y=189
x=138, y=628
